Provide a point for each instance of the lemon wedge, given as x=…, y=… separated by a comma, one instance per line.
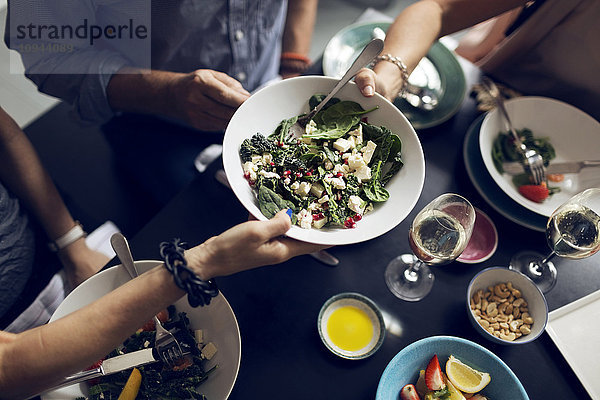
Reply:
x=465, y=378
x=455, y=394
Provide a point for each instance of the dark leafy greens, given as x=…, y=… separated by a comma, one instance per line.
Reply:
x=158, y=382
x=321, y=177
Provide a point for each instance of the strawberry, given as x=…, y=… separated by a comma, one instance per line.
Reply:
x=409, y=392
x=537, y=193
x=433, y=375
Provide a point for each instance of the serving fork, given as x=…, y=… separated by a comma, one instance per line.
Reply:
x=532, y=161
x=167, y=347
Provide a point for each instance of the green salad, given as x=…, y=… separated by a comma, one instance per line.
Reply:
x=160, y=382
x=332, y=175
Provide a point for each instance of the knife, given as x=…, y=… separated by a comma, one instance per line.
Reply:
x=516, y=168
x=110, y=366
x=322, y=255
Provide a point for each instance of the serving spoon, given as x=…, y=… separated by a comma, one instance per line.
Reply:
x=367, y=55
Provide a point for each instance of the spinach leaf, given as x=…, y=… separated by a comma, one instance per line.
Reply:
x=316, y=99
x=281, y=133
x=337, y=120
x=374, y=189
x=270, y=203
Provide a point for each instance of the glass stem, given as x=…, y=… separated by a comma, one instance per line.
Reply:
x=537, y=267
x=411, y=274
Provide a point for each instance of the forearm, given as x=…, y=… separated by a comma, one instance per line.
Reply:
x=300, y=22
x=22, y=172
x=143, y=91
x=417, y=27
x=36, y=359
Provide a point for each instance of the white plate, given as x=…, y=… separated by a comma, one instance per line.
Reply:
x=574, y=134
x=573, y=328
x=217, y=321
x=264, y=110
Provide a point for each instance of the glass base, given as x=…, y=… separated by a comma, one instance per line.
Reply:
x=405, y=283
x=527, y=262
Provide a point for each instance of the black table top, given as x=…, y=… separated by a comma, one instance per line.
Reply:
x=277, y=306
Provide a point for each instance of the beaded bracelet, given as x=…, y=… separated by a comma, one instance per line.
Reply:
x=400, y=64
x=199, y=292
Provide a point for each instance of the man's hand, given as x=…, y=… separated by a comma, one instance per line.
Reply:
x=248, y=245
x=207, y=99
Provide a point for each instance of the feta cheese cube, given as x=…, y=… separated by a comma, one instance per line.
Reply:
x=338, y=183
x=341, y=145
x=267, y=158
x=268, y=175
x=256, y=159
x=356, y=161
x=323, y=199
x=320, y=223
x=305, y=219
x=328, y=165
x=311, y=127
x=295, y=185
x=303, y=189
x=199, y=336
x=358, y=134
x=356, y=204
x=317, y=190
x=368, y=151
x=209, y=350
x=363, y=173
x=250, y=168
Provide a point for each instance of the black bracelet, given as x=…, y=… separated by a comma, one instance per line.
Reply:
x=199, y=292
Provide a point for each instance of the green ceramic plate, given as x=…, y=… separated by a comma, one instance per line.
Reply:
x=345, y=46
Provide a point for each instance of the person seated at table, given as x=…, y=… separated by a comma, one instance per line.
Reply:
x=543, y=47
x=36, y=359
x=199, y=63
x=32, y=212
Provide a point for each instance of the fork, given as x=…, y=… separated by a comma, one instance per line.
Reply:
x=532, y=161
x=371, y=50
x=168, y=348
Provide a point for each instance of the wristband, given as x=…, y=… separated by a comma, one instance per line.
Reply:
x=293, y=63
x=199, y=292
x=397, y=62
x=72, y=235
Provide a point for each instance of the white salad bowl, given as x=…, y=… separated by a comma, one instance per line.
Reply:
x=265, y=109
x=217, y=321
x=574, y=134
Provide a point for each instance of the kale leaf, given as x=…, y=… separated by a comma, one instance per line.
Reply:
x=257, y=144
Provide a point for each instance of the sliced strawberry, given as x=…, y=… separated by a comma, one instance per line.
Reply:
x=433, y=375
x=409, y=392
x=537, y=193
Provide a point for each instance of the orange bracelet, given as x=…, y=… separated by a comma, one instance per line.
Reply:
x=289, y=55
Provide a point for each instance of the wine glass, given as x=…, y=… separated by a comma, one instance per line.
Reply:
x=438, y=235
x=572, y=231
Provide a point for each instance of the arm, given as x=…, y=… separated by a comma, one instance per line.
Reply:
x=297, y=36
x=34, y=360
x=23, y=173
x=414, y=31
x=206, y=99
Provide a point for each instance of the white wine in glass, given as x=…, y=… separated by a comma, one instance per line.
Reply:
x=572, y=231
x=438, y=235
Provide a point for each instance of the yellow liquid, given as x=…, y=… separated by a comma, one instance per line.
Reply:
x=350, y=328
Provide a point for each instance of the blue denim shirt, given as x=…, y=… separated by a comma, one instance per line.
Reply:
x=240, y=38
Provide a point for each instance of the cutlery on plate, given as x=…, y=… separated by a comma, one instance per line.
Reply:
x=368, y=54
x=322, y=255
x=166, y=345
x=111, y=366
x=532, y=162
x=573, y=167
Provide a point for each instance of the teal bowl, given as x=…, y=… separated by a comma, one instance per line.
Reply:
x=405, y=366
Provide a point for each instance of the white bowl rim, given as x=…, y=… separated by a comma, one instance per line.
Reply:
x=487, y=334
x=504, y=183
x=337, y=236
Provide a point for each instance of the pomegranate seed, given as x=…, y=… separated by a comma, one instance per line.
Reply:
x=247, y=175
x=339, y=174
x=287, y=172
x=318, y=216
x=357, y=217
x=308, y=173
x=346, y=161
x=299, y=174
x=272, y=163
x=349, y=223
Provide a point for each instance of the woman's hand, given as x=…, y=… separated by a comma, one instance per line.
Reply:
x=386, y=83
x=80, y=262
x=247, y=245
